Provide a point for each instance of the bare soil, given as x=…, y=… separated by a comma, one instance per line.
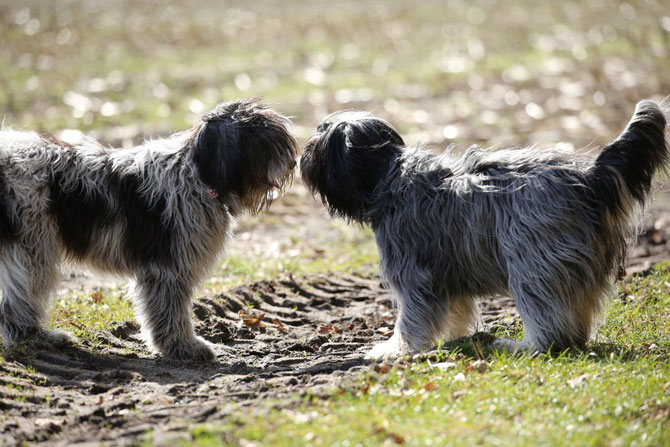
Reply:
x=274, y=339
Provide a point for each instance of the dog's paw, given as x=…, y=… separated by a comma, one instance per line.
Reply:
x=196, y=349
x=510, y=345
x=389, y=349
x=37, y=338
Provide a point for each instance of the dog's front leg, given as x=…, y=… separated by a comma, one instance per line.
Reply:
x=164, y=310
x=421, y=318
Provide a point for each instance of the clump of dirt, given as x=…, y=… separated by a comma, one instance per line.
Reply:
x=273, y=339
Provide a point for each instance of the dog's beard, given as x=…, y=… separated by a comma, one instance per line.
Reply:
x=260, y=198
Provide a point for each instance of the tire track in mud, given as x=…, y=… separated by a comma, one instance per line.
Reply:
x=313, y=333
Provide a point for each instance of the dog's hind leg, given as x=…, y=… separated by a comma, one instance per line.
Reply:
x=555, y=315
x=164, y=310
x=28, y=275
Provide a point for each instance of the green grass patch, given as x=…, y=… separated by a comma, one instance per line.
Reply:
x=87, y=314
x=614, y=393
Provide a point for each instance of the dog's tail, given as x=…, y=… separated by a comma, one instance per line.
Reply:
x=623, y=172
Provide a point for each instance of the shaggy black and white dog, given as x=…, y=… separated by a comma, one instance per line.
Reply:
x=547, y=226
x=160, y=212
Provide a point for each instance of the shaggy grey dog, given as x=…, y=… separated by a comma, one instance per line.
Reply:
x=160, y=212
x=547, y=226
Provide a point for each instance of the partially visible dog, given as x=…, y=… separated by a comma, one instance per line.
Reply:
x=549, y=227
x=160, y=212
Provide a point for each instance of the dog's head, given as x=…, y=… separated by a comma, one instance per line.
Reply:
x=347, y=158
x=244, y=150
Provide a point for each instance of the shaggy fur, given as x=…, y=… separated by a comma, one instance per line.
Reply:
x=547, y=226
x=160, y=212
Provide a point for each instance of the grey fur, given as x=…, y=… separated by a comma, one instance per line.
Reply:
x=548, y=226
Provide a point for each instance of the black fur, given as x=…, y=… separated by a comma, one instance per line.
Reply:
x=639, y=152
x=79, y=214
x=236, y=139
x=8, y=225
x=347, y=161
x=147, y=237
x=82, y=214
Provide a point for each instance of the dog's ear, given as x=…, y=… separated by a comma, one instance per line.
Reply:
x=344, y=165
x=219, y=156
x=236, y=144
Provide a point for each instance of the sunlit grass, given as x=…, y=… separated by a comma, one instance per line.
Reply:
x=85, y=315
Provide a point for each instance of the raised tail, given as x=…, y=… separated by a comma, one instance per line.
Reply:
x=624, y=170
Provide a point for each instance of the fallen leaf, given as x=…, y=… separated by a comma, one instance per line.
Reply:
x=385, y=331
x=252, y=321
x=478, y=365
x=97, y=297
x=391, y=436
x=382, y=368
x=280, y=326
x=328, y=328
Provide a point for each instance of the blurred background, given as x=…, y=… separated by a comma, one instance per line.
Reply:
x=507, y=72
x=488, y=72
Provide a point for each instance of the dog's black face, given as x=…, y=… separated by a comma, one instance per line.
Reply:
x=246, y=149
x=346, y=159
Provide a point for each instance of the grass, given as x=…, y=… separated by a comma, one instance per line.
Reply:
x=614, y=393
x=85, y=315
